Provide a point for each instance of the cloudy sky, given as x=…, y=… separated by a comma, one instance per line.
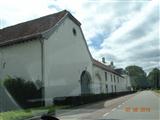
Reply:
x=123, y=31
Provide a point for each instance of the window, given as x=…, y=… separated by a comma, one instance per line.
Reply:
x=4, y=65
x=112, y=88
x=118, y=79
x=74, y=31
x=114, y=78
x=106, y=76
x=106, y=88
x=111, y=77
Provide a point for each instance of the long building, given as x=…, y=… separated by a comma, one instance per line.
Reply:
x=53, y=49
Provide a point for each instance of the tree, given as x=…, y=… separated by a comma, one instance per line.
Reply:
x=138, y=77
x=154, y=78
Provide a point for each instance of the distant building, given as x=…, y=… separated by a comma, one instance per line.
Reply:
x=53, y=49
x=124, y=73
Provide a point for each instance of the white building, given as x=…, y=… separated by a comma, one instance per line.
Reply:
x=53, y=49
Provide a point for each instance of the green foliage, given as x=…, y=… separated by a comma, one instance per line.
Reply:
x=138, y=77
x=154, y=78
x=23, y=91
x=15, y=115
x=27, y=113
x=157, y=91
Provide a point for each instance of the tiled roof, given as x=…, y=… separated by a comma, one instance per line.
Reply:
x=121, y=71
x=30, y=29
x=35, y=28
x=105, y=67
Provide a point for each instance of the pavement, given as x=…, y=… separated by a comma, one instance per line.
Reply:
x=143, y=105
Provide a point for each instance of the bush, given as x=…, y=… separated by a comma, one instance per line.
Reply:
x=23, y=91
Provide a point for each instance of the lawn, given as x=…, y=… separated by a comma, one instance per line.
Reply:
x=22, y=114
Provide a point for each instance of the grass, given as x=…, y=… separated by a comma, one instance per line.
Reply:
x=24, y=114
x=15, y=115
x=157, y=91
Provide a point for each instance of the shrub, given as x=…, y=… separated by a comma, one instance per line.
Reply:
x=23, y=91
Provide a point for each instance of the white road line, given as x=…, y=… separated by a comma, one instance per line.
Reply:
x=119, y=106
x=113, y=109
x=126, y=101
x=106, y=114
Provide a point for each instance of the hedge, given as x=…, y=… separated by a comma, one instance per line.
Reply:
x=85, y=99
x=23, y=91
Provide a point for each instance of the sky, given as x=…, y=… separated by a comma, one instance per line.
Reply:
x=123, y=31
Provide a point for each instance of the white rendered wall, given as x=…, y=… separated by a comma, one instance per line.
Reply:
x=98, y=83
x=66, y=56
x=121, y=83
x=21, y=60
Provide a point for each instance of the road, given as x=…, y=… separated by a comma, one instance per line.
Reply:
x=143, y=105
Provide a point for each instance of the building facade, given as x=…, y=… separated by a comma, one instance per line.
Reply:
x=53, y=49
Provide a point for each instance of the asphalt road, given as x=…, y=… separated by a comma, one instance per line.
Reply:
x=143, y=105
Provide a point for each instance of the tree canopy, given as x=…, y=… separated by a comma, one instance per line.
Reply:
x=154, y=78
x=137, y=76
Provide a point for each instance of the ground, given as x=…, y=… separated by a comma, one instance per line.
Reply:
x=157, y=91
x=143, y=105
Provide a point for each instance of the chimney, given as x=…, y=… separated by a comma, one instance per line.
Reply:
x=103, y=60
x=111, y=63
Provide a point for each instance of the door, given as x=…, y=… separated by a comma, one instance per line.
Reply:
x=85, y=82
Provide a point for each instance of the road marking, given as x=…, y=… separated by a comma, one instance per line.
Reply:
x=106, y=114
x=116, y=108
x=113, y=109
x=119, y=106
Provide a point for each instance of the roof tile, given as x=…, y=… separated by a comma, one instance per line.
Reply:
x=30, y=28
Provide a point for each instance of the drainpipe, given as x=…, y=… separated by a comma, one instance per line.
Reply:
x=42, y=71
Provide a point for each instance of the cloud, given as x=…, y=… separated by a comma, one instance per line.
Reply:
x=136, y=40
x=3, y=23
x=16, y=11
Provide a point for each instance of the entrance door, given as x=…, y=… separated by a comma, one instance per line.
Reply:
x=85, y=82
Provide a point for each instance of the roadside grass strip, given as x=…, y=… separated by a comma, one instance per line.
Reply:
x=28, y=113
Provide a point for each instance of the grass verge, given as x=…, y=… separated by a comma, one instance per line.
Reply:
x=24, y=114
x=157, y=91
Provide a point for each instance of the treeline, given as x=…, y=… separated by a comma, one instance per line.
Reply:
x=140, y=80
x=154, y=78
